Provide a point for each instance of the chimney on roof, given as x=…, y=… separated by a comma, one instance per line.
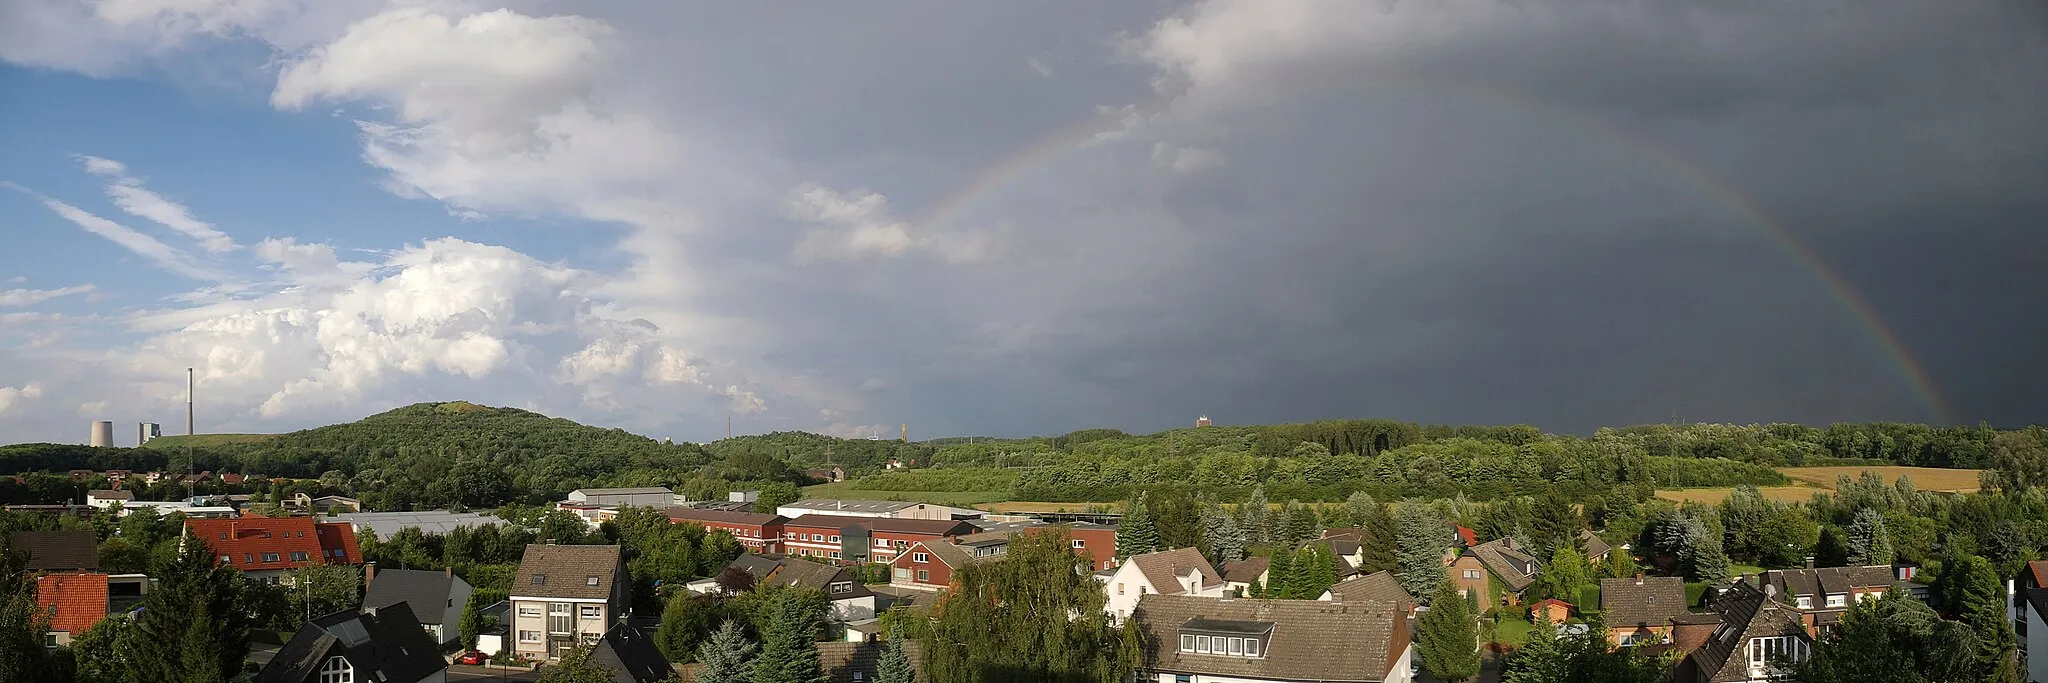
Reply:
x=369, y=573
x=1639, y=578
x=448, y=572
x=1809, y=561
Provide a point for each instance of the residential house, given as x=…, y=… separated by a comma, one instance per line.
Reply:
x=1097, y=541
x=232, y=478
x=1507, y=565
x=1240, y=577
x=565, y=595
x=328, y=505
x=858, y=662
x=897, y=509
x=1172, y=572
x=264, y=548
x=115, y=477
x=2027, y=606
x=437, y=598
x=108, y=498
x=1593, y=546
x=1550, y=611
x=755, y=531
x=591, y=513
x=1822, y=595
x=1188, y=639
x=381, y=645
x=1347, y=543
x=863, y=539
x=74, y=602
x=929, y=565
x=850, y=599
x=1639, y=610
x=1756, y=634
x=643, y=496
x=826, y=475
x=389, y=524
x=58, y=551
x=1374, y=587
x=630, y=656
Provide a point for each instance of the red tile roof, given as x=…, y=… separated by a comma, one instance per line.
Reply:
x=245, y=541
x=74, y=601
x=1470, y=537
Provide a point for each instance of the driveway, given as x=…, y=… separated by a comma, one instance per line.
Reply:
x=479, y=673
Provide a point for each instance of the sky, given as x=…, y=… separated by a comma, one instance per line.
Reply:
x=1013, y=219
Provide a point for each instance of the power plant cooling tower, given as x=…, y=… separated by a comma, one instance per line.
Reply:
x=102, y=433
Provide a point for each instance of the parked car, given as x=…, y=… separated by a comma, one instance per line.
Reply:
x=472, y=657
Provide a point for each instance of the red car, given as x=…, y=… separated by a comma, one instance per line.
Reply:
x=472, y=657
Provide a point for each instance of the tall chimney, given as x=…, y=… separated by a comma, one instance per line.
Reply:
x=189, y=383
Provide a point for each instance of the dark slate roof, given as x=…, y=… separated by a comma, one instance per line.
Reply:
x=1311, y=640
x=1641, y=601
x=389, y=642
x=1746, y=612
x=567, y=569
x=841, y=659
x=1246, y=570
x=1828, y=580
x=630, y=655
x=686, y=514
x=1505, y=559
x=1595, y=545
x=1164, y=569
x=1375, y=587
x=808, y=574
x=58, y=550
x=427, y=592
x=934, y=527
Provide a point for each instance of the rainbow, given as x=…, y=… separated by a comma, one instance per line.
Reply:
x=1082, y=133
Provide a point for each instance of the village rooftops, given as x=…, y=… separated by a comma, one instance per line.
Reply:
x=1295, y=640
x=1164, y=569
x=1642, y=601
x=384, y=644
x=1374, y=587
x=626, y=491
x=936, y=527
x=861, y=506
x=566, y=571
x=58, y=550
x=690, y=514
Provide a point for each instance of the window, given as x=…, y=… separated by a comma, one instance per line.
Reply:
x=1625, y=639
x=902, y=573
x=1472, y=574
x=835, y=538
x=856, y=676
x=300, y=556
x=1763, y=650
x=1078, y=543
x=1805, y=602
x=248, y=558
x=1119, y=588
x=49, y=640
x=590, y=580
x=1183, y=678
x=227, y=559
x=1237, y=646
x=920, y=557
x=1251, y=647
x=1202, y=644
x=1838, y=600
x=835, y=554
x=529, y=610
x=923, y=575
x=270, y=557
x=1187, y=643
x=337, y=670
x=818, y=537
x=540, y=579
x=591, y=611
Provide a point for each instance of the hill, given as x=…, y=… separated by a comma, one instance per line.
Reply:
x=205, y=440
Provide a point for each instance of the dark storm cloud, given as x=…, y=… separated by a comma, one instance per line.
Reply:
x=1371, y=247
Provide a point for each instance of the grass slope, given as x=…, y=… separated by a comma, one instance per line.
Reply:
x=206, y=440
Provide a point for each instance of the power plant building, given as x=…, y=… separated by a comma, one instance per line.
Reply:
x=146, y=431
x=102, y=434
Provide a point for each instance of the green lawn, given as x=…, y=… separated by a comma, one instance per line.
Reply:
x=204, y=440
x=1512, y=631
x=1735, y=570
x=846, y=490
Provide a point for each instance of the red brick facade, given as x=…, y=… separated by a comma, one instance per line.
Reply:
x=756, y=532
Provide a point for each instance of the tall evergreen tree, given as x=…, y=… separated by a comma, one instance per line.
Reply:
x=1448, y=636
x=1279, y=574
x=1870, y=543
x=895, y=664
x=22, y=628
x=1377, y=544
x=1552, y=522
x=1256, y=517
x=1971, y=588
x=1135, y=534
x=789, y=644
x=1298, y=523
x=727, y=657
x=1422, y=538
x=1320, y=574
x=194, y=627
x=1564, y=577
x=1224, y=538
x=1892, y=639
x=1358, y=506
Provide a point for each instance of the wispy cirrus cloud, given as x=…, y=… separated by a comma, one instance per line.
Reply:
x=31, y=297
x=128, y=193
x=163, y=255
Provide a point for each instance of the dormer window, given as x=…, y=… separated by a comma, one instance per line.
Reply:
x=1225, y=638
x=337, y=670
x=1838, y=600
x=590, y=580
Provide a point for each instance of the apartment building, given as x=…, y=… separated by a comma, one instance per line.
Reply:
x=565, y=595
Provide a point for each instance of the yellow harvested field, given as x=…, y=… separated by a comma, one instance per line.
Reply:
x=1924, y=478
x=1811, y=480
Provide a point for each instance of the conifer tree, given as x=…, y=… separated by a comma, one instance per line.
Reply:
x=1298, y=523
x=1279, y=574
x=1449, y=636
x=895, y=664
x=1225, y=539
x=1377, y=544
x=1421, y=537
x=1256, y=516
x=1321, y=573
x=195, y=625
x=1135, y=534
x=727, y=657
x=1869, y=542
x=789, y=649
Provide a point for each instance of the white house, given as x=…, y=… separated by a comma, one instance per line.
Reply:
x=645, y=496
x=1171, y=572
x=2028, y=608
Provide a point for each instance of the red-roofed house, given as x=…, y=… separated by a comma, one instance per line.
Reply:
x=74, y=602
x=1552, y=610
x=264, y=547
x=231, y=478
x=1468, y=536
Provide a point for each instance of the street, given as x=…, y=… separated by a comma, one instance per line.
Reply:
x=478, y=673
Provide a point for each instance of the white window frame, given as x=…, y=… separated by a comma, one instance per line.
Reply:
x=1202, y=644
x=833, y=539
x=529, y=636
x=924, y=575
x=1187, y=643
x=1805, y=602
x=1251, y=647
x=337, y=670
x=532, y=611
x=590, y=612
x=920, y=557
x=1078, y=543
x=1838, y=600
x=1472, y=574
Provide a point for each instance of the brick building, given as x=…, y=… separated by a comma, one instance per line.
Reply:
x=756, y=532
x=265, y=547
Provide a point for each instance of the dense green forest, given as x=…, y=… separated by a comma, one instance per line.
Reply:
x=436, y=455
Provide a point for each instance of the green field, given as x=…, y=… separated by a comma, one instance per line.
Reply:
x=204, y=440
x=1511, y=631
x=846, y=490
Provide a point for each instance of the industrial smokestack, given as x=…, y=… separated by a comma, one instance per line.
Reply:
x=189, y=384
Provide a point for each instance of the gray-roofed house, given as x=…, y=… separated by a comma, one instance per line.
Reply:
x=1639, y=610
x=1509, y=564
x=1181, y=571
x=848, y=662
x=388, y=524
x=1374, y=587
x=385, y=645
x=437, y=598
x=1193, y=638
x=1824, y=594
x=1595, y=547
x=850, y=599
x=645, y=496
x=1757, y=631
x=565, y=595
x=108, y=498
x=1242, y=575
x=58, y=551
x=629, y=655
